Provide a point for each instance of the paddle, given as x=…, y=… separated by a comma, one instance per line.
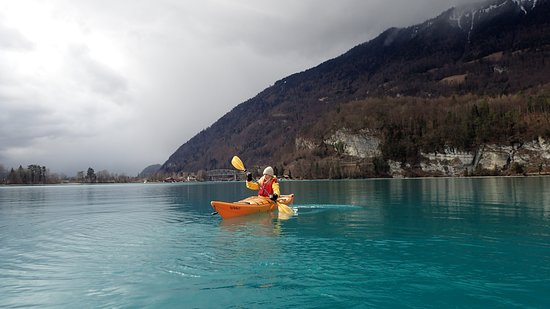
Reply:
x=239, y=165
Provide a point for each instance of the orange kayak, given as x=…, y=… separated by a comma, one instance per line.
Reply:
x=249, y=205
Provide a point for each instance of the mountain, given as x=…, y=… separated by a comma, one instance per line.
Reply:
x=470, y=53
x=149, y=171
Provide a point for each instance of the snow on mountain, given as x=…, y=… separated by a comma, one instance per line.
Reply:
x=465, y=16
x=468, y=16
x=525, y=4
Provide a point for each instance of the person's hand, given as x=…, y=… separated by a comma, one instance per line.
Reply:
x=248, y=176
x=274, y=197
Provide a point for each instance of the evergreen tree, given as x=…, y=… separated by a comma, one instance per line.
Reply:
x=90, y=175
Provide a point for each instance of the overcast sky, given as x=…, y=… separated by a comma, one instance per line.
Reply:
x=121, y=84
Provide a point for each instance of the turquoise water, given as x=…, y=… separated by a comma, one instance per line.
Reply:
x=412, y=243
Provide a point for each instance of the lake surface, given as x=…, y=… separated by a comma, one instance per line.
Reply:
x=407, y=243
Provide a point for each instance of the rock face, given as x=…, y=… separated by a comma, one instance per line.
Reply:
x=533, y=151
x=362, y=145
x=531, y=157
x=449, y=163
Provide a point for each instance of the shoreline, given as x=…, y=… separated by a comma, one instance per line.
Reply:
x=281, y=180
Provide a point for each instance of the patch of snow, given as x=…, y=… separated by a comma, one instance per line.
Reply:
x=492, y=7
x=457, y=18
x=521, y=4
x=471, y=26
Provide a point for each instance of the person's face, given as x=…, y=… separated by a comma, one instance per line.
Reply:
x=267, y=177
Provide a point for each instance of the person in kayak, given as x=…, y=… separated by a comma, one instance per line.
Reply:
x=267, y=186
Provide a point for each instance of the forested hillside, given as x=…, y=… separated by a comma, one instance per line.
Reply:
x=427, y=88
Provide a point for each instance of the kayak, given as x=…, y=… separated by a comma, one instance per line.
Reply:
x=249, y=205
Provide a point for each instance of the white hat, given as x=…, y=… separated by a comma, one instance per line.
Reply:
x=269, y=171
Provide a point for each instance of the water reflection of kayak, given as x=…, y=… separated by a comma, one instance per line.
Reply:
x=249, y=205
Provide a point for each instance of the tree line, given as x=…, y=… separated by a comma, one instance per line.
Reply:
x=33, y=174
x=36, y=174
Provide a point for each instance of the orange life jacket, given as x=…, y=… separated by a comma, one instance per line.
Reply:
x=266, y=188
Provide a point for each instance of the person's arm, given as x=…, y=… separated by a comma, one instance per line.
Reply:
x=276, y=189
x=252, y=185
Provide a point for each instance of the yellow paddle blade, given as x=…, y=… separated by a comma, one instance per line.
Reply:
x=283, y=216
x=285, y=209
x=238, y=164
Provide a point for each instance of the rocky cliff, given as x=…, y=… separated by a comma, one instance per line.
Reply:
x=531, y=157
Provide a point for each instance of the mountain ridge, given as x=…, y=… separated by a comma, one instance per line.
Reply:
x=414, y=61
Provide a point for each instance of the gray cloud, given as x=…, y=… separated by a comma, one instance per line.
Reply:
x=119, y=85
x=12, y=39
x=98, y=77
